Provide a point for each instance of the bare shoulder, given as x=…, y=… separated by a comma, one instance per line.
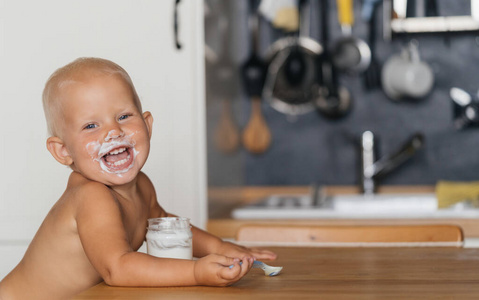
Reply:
x=85, y=194
x=82, y=187
x=149, y=196
x=146, y=187
x=145, y=181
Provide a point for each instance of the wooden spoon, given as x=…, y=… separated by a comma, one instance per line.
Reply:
x=256, y=135
x=227, y=136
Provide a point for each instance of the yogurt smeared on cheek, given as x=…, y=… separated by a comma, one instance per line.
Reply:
x=116, y=156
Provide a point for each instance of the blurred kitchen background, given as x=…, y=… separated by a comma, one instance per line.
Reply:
x=309, y=143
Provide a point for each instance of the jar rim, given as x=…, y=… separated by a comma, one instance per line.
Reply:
x=168, y=223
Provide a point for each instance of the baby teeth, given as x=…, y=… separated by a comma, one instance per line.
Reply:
x=117, y=151
x=120, y=162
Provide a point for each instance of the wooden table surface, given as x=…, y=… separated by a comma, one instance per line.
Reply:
x=338, y=273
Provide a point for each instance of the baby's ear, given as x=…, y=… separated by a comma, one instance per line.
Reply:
x=149, y=121
x=57, y=148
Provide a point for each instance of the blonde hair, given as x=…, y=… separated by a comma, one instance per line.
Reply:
x=68, y=74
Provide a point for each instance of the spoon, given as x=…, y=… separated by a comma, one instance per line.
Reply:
x=268, y=270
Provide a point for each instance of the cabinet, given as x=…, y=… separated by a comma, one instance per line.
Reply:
x=36, y=37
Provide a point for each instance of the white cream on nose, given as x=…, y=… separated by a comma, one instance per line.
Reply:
x=114, y=134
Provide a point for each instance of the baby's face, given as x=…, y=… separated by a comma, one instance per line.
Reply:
x=103, y=130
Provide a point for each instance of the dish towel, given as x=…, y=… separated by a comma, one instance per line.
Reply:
x=451, y=192
x=283, y=14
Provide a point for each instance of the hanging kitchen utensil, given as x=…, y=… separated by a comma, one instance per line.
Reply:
x=332, y=101
x=466, y=110
x=431, y=8
x=227, y=137
x=176, y=26
x=372, y=75
x=282, y=14
x=291, y=80
x=350, y=53
x=254, y=69
x=256, y=135
x=406, y=76
x=222, y=86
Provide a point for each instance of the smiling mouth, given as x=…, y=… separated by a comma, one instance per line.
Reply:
x=118, y=160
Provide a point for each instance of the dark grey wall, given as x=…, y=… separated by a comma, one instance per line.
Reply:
x=313, y=149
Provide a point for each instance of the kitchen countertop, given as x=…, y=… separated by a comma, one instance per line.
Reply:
x=222, y=201
x=337, y=273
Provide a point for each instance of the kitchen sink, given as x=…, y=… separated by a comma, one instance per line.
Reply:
x=353, y=206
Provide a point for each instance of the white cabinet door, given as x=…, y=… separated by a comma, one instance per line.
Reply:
x=36, y=37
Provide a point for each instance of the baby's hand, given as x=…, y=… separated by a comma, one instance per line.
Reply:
x=233, y=250
x=219, y=270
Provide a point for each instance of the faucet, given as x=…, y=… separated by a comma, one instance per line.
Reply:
x=372, y=169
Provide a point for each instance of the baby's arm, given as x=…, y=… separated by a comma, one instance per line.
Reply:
x=205, y=243
x=105, y=241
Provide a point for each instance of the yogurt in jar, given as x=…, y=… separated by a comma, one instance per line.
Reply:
x=169, y=237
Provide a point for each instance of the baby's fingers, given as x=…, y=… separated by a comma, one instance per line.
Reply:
x=237, y=270
x=226, y=261
x=246, y=265
x=263, y=254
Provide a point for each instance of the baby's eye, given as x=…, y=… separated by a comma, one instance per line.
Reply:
x=90, y=126
x=123, y=117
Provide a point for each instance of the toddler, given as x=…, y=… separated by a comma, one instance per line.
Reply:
x=91, y=234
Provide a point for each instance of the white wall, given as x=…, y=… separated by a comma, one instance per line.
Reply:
x=36, y=37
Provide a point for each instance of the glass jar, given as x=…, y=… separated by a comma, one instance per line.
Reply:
x=169, y=237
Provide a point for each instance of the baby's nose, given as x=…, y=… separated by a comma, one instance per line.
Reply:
x=114, y=134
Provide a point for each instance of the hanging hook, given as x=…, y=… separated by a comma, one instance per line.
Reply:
x=175, y=25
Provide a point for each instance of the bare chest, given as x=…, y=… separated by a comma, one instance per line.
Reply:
x=135, y=221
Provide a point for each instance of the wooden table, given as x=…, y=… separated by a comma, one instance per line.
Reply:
x=338, y=273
